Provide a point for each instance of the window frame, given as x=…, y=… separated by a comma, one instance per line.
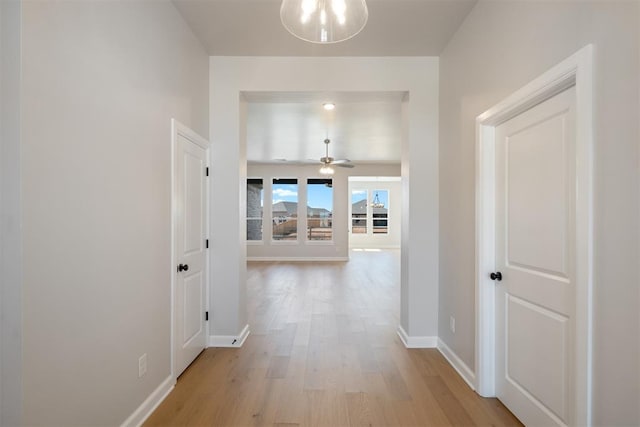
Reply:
x=247, y=218
x=366, y=214
x=388, y=207
x=306, y=211
x=285, y=242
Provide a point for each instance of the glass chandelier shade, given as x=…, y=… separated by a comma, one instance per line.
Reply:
x=326, y=170
x=324, y=21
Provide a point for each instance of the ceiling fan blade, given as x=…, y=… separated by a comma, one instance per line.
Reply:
x=341, y=161
x=344, y=165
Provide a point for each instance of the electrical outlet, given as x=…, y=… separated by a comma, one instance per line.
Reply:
x=452, y=324
x=142, y=365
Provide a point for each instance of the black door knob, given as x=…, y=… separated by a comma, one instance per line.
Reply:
x=183, y=267
x=496, y=276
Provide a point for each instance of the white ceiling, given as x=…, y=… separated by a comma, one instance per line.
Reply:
x=395, y=28
x=365, y=127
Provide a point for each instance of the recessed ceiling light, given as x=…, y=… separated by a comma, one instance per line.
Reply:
x=329, y=106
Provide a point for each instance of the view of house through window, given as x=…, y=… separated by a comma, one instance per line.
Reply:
x=284, y=209
x=319, y=209
x=369, y=211
x=255, y=202
x=359, y=211
x=380, y=211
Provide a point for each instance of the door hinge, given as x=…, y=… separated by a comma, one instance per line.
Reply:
x=206, y=315
x=206, y=243
x=206, y=171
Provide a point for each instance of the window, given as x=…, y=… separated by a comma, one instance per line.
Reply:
x=284, y=209
x=255, y=202
x=359, y=211
x=319, y=209
x=380, y=211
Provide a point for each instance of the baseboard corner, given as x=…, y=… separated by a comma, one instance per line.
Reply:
x=232, y=341
x=416, y=341
x=150, y=404
x=454, y=360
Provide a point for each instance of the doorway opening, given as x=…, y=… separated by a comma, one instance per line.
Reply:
x=375, y=213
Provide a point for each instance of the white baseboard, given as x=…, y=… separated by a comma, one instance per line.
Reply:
x=467, y=374
x=150, y=404
x=290, y=258
x=416, y=341
x=374, y=247
x=229, y=340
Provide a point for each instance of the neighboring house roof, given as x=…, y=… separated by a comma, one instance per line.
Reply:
x=321, y=212
x=360, y=207
x=291, y=208
x=285, y=208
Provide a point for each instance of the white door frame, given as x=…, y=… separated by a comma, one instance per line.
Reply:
x=178, y=129
x=576, y=70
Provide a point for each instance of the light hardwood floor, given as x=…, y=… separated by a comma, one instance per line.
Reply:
x=323, y=351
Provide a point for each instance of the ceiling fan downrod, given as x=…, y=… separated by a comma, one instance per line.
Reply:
x=326, y=159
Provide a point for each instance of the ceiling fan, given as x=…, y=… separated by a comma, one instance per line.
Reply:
x=327, y=161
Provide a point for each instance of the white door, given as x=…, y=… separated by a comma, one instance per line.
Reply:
x=190, y=225
x=535, y=254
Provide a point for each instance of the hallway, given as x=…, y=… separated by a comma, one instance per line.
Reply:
x=323, y=350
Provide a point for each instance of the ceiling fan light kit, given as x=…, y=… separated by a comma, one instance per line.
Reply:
x=327, y=161
x=324, y=21
x=327, y=170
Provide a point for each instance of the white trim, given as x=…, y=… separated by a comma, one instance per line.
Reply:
x=178, y=128
x=374, y=246
x=465, y=372
x=150, y=404
x=416, y=341
x=320, y=242
x=185, y=131
x=576, y=70
x=289, y=258
x=235, y=341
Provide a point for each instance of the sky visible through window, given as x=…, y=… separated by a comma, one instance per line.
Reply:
x=285, y=193
x=318, y=196
x=358, y=195
x=383, y=197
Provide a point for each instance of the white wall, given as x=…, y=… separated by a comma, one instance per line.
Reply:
x=339, y=247
x=393, y=237
x=10, y=239
x=500, y=47
x=101, y=82
x=230, y=76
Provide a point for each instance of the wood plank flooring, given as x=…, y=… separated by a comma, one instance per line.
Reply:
x=323, y=351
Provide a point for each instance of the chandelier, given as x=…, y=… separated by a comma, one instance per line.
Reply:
x=324, y=21
x=376, y=202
